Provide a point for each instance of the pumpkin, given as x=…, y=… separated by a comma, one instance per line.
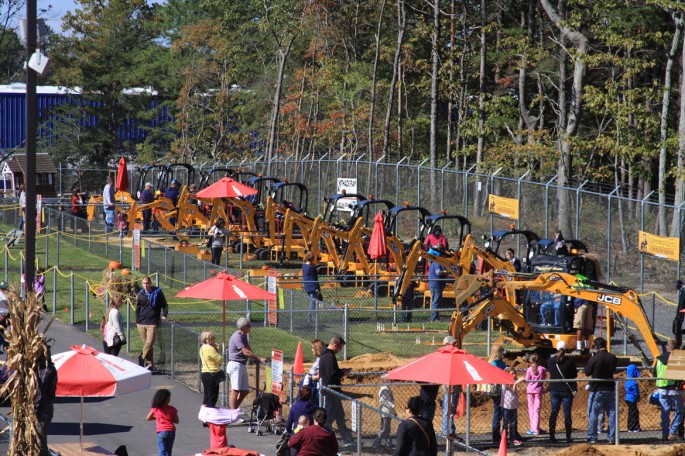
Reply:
x=125, y=271
x=114, y=265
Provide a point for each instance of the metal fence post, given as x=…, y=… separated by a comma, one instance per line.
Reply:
x=442, y=184
x=547, y=205
x=489, y=340
x=121, y=247
x=617, y=421
x=465, y=209
x=654, y=310
x=148, y=253
x=47, y=241
x=578, y=208
x=418, y=182
x=397, y=181
x=376, y=177
x=7, y=259
x=106, y=241
x=291, y=311
x=609, y=233
x=318, y=200
x=166, y=254
x=185, y=266
x=57, y=249
x=89, y=236
x=199, y=374
x=518, y=196
x=173, y=349
x=492, y=191
x=358, y=410
x=642, y=227
x=87, y=306
x=128, y=327
x=240, y=257
x=467, y=433
x=54, y=290
x=346, y=315
x=72, y=298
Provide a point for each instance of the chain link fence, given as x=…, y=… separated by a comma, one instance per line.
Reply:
x=359, y=404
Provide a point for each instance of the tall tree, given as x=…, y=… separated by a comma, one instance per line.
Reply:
x=110, y=52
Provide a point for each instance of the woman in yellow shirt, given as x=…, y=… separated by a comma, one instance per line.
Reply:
x=212, y=374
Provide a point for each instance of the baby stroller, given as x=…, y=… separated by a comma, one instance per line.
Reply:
x=266, y=407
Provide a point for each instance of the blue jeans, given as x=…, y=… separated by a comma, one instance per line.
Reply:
x=436, y=294
x=669, y=404
x=496, y=419
x=510, y=423
x=165, y=441
x=598, y=403
x=453, y=408
x=558, y=399
x=313, y=299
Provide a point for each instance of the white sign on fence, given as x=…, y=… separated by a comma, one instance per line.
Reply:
x=354, y=416
x=348, y=185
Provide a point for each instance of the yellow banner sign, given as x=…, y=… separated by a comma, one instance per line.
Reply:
x=659, y=246
x=504, y=207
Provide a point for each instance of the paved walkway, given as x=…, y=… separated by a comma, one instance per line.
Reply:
x=110, y=422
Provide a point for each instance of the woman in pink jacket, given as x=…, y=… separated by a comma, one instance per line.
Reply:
x=534, y=374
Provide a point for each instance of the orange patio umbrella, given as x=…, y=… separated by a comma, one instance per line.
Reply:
x=224, y=287
x=226, y=188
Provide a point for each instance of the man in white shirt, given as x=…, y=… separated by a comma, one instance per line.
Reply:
x=108, y=204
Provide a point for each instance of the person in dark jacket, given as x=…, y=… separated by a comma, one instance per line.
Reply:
x=303, y=406
x=415, y=435
x=310, y=280
x=316, y=440
x=151, y=309
x=330, y=375
x=437, y=280
x=602, y=398
x=560, y=367
x=147, y=197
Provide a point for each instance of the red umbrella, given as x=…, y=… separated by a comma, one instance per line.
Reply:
x=224, y=287
x=85, y=372
x=226, y=188
x=451, y=366
x=377, y=247
x=122, y=175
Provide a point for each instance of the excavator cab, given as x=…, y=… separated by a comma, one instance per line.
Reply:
x=454, y=227
x=160, y=176
x=524, y=243
x=339, y=208
x=262, y=185
x=368, y=209
x=405, y=222
x=212, y=175
x=292, y=194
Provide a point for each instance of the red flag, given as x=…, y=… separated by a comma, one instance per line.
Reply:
x=503, y=445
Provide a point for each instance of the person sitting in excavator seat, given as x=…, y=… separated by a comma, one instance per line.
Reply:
x=550, y=311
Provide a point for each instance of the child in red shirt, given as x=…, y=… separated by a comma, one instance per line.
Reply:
x=166, y=417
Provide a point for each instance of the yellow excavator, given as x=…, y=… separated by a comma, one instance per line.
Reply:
x=545, y=315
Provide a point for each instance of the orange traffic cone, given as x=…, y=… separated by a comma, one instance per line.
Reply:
x=503, y=444
x=298, y=367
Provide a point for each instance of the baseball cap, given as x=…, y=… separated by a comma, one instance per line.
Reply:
x=448, y=340
x=174, y=181
x=561, y=345
x=148, y=184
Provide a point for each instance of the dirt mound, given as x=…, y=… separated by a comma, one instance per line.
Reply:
x=678, y=450
x=581, y=450
x=374, y=362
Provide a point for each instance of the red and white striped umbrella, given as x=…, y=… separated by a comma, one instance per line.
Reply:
x=84, y=371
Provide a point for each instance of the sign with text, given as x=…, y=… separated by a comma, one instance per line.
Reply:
x=272, y=304
x=277, y=373
x=39, y=212
x=659, y=246
x=353, y=416
x=503, y=207
x=348, y=185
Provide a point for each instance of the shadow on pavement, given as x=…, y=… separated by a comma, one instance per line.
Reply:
x=57, y=428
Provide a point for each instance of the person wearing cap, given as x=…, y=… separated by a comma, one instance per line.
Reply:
x=601, y=365
x=331, y=375
x=172, y=193
x=437, y=280
x=561, y=392
x=147, y=197
x=239, y=351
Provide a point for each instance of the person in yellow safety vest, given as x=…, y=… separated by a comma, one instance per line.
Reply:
x=670, y=396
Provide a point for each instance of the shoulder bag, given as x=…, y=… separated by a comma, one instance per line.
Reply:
x=573, y=393
x=221, y=373
x=428, y=440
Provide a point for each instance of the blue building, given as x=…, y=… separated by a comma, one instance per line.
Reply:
x=13, y=114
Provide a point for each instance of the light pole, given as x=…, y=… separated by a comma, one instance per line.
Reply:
x=31, y=130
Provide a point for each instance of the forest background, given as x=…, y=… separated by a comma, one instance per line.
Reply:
x=577, y=89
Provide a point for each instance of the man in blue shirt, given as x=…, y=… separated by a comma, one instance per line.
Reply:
x=436, y=283
x=147, y=197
